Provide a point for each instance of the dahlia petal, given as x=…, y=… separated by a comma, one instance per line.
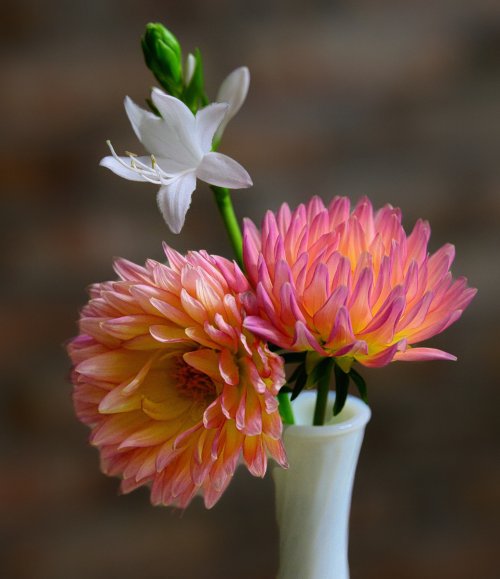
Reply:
x=92, y=326
x=230, y=400
x=276, y=450
x=253, y=414
x=213, y=417
x=196, y=310
x=255, y=456
x=176, y=261
x=290, y=311
x=381, y=359
x=146, y=436
x=166, y=410
x=352, y=349
x=223, y=326
x=338, y=209
x=418, y=240
x=209, y=299
x=420, y=354
x=129, y=271
x=315, y=295
x=205, y=361
x=169, y=334
x=304, y=340
x=127, y=327
x=266, y=331
x=284, y=218
x=116, y=428
x=269, y=303
x=199, y=335
x=251, y=248
x=255, y=377
x=172, y=313
x=240, y=417
x=415, y=317
x=342, y=333
x=272, y=424
x=228, y=368
x=359, y=301
x=113, y=365
x=219, y=337
x=117, y=401
x=434, y=328
x=364, y=214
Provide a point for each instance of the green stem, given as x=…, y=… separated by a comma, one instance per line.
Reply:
x=322, y=395
x=225, y=205
x=285, y=408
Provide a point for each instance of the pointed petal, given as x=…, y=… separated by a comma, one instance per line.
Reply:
x=138, y=117
x=174, y=200
x=233, y=90
x=207, y=121
x=221, y=170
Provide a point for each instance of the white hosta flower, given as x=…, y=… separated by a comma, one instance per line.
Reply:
x=180, y=145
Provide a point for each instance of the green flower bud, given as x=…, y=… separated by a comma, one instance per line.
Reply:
x=162, y=54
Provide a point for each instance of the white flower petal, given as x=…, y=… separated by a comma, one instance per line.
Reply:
x=157, y=136
x=170, y=166
x=208, y=120
x=122, y=167
x=233, y=90
x=138, y=116
x=221, y=170
x=174, y=200
x=179, y=119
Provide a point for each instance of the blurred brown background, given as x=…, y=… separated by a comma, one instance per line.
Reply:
x=397, y=100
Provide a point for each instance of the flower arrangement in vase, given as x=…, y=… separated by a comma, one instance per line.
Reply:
x=179, y=368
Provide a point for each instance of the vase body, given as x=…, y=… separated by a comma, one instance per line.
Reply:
x=313, y=495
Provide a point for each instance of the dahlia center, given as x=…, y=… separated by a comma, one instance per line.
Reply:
x=191, y=382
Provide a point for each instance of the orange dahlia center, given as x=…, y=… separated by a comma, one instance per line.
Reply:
x=191, y=382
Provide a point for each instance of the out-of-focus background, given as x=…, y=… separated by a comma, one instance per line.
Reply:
x=397, y=100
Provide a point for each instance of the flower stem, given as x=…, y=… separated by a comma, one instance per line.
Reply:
x=322, y=395
x=225, y=205
x=285, y=408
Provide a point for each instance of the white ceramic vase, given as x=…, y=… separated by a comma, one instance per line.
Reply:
x=313, y=496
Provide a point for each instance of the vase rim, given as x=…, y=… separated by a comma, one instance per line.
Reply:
x=354, y=416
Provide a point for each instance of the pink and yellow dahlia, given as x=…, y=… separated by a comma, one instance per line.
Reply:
x=174, y=388
x=350, y=285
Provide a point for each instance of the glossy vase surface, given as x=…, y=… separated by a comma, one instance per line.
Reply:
x=313, y=496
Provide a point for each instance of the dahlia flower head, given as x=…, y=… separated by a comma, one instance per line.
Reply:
x=350, y=284
x=175, y=390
